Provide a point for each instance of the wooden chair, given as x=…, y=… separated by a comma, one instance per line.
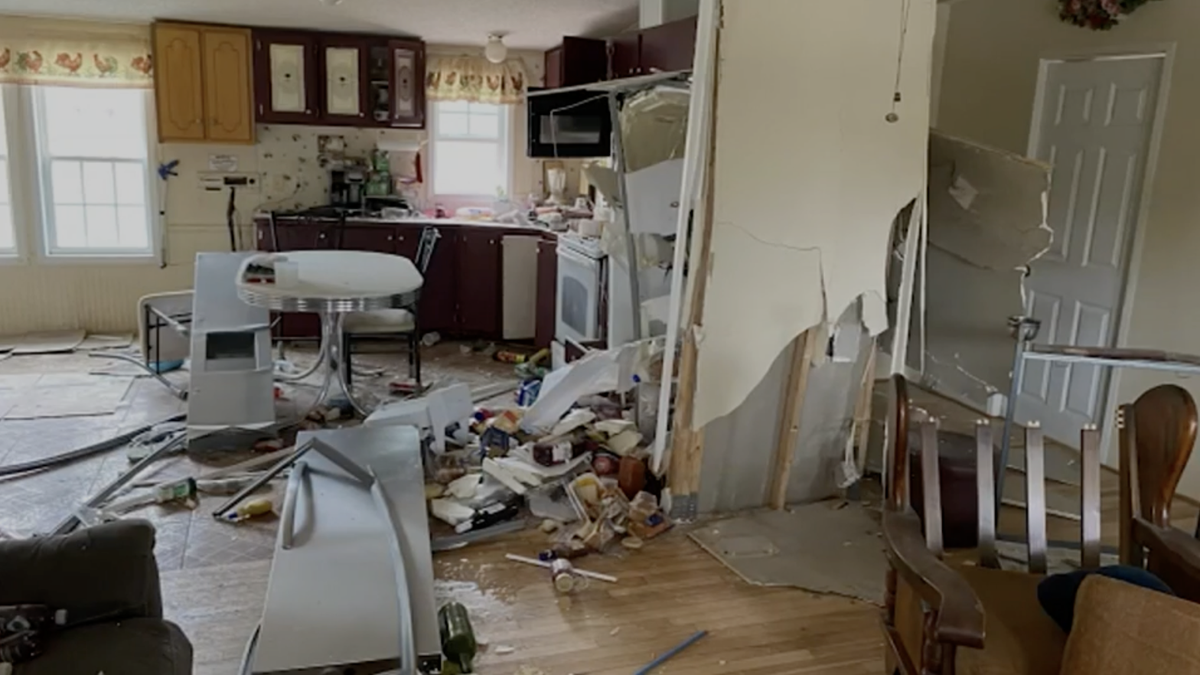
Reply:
x=1157, y=434
x=945, y=617
x=936, y=611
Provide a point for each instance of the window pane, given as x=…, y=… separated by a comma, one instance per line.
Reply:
x=100, y=123
x=131, y=183
x=132, y=227
x=485, y=108
x=67, y=183
x=102, y=227
x=452, y=124
x=466, y=168
x=485, y=126
x=69, y=228
x=98, y=185
x=6, y=229
x=454, y=106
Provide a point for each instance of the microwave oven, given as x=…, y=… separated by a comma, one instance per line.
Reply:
x=573, y=123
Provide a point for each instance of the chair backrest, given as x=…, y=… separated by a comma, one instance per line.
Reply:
x=429, y=237
x=896, y=490
x=1157, y=434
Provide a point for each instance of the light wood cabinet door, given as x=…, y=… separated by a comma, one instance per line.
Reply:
x=228, y=92
x=178, y=83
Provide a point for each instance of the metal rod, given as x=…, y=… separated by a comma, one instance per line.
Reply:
x=635, y=291
x=69, y=523
x=1010, y=412
x=670, y=653
x=287, y=520
x=262, y=480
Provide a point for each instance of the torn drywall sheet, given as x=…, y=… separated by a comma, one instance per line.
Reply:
x=808, y=182
x=973, y=261
x=987, y=206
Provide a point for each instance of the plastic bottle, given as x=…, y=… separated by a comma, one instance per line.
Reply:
x=250, y=509
x=458, y=638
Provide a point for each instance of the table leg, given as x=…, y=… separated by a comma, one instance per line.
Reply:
x=331, y=353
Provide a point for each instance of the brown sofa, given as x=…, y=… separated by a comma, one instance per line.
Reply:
x=107, y=580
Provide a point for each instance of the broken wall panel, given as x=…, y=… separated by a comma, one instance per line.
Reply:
x=807, y=180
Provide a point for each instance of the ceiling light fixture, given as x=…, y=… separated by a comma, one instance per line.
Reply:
x=495, y=50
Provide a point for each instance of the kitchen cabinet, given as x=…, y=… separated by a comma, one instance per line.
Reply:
x=479, y=280
x=339, y=79
x=285, y=76
x=664, y=48
x=367, y=238
x=625, y=52
x=438, y=309
x=576, y=61
x=668, y=47
x=342, y=62
x=202, y=83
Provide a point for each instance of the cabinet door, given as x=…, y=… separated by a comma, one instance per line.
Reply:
x=439, y=294
x=303, y=236
x=377, y=238
x=669, y=47
x=554, y=68
x=285, y=77
x=547, y=291
x=626, y=51
x=178, y=83
x=479, y=292
x=343, y=76
x=228, y=93
x=406, y=83
x=584, y=60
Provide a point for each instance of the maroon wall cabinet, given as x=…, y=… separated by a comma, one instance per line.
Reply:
x=576, y=61
x=439, y=294
x=625, y=51
x=479, y=279
x=668, y=47
x=285, y=77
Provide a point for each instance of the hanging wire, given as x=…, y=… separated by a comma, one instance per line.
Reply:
x=905, y=8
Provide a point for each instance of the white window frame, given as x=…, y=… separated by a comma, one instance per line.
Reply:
x=8, y=107
x=504, y=141
x=31, y=187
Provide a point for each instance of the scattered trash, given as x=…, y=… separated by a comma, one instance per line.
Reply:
x=431, y=338
x=614, y=631
x=458, y=638
x=540, y=563
x=250, y=509
x=503, y=649
x=564, y=577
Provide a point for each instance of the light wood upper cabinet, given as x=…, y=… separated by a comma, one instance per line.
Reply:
x=228, y=92
x=202, y=83
x=178, y=83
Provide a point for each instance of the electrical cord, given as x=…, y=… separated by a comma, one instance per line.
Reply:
x=86, y=451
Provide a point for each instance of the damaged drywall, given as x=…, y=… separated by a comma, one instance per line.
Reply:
x=808, y=178
x=987, y=221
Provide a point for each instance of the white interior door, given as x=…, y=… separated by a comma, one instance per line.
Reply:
x=1094, y=127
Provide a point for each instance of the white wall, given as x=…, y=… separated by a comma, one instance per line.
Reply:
x=992, y=56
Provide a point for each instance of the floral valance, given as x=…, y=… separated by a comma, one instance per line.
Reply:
x=55, y=54
x=475, y=79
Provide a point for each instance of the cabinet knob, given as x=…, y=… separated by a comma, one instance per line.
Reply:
x=307, y=111
x=362, y=114
x=390, y=237
x=321, y=236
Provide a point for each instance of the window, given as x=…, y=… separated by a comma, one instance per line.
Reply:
x=470, y=149
x=8, y=238
x=76, y=169
x=94, y=154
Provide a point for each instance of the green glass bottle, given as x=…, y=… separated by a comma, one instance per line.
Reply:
x=458, y=638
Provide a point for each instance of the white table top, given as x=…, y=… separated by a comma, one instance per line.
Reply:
x=335, y=277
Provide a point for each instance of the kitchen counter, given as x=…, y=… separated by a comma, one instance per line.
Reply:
x=291, y=219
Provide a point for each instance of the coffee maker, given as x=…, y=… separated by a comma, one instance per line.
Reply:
x=347, y=187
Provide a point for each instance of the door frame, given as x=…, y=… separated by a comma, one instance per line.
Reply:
x=1133, y=261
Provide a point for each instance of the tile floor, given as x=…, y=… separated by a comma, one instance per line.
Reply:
x=187, y=538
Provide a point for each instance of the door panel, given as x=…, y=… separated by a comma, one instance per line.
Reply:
x=377, y=238
x=406, y=83
x=228, y=93
x=179, y=87
x=1095, y=127
x=285, y=75
x=343, y=68
x=479, y=282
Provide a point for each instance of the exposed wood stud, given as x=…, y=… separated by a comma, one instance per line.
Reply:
x=795, y=386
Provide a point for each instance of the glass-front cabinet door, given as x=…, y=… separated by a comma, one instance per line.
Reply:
x=407, y=83
x=343, y=79
x=284, y=69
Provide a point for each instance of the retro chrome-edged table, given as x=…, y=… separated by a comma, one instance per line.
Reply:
x=333, y=284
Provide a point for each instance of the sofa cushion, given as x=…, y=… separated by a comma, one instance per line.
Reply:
x=130, y=647
x=1128, y=630
x=1019, y=636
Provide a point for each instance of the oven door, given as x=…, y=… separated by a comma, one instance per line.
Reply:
x=577, y=308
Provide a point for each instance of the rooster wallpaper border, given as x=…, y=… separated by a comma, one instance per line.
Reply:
x=112, y=64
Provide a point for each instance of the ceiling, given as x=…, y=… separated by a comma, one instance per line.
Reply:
x=527, y=24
